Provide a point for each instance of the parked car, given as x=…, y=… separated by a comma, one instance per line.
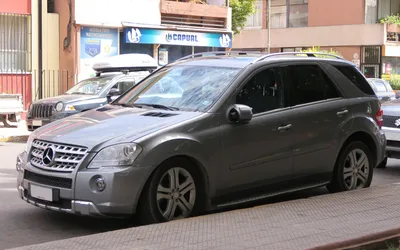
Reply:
x=391, y=128
x=114, y=76
x=382, y=89
x=207, y=132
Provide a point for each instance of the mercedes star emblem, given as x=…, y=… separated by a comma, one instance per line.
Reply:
x=48, y=156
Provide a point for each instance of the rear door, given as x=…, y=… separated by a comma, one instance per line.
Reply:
x=320, y=110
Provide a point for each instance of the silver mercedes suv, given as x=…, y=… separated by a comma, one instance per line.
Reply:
x=210, y=131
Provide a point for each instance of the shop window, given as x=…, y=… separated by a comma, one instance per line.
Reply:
x=289, y=13
x=254, y=21
x=127, y=48
x=14, y=43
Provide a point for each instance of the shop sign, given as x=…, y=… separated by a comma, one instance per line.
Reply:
x=168, y=37
x=96, y=43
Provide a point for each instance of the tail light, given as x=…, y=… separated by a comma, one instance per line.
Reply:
x=379, y=117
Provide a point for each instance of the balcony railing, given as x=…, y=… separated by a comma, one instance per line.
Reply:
x=221, y=3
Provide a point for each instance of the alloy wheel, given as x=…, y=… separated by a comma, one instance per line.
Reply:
x=356, y=169
x=176, y=194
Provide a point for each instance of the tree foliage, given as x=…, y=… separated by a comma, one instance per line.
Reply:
x=319, y=50
x=241, y=9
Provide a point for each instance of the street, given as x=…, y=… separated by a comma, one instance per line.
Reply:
x=22, y=224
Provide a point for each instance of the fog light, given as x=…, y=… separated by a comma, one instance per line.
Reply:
x=100, y=184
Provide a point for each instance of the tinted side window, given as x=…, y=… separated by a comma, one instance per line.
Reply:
x=263, y=92
x=355, y=77
x=310, y=84
x=123, y=86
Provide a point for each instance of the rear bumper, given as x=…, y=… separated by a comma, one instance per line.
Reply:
x=393, y=142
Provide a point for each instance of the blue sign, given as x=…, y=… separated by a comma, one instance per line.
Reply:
x=98, y=42
x=154, y=36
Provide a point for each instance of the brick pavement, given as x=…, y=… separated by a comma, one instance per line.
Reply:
x=297, y=224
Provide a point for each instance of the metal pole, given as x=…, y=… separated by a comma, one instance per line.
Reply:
x=40, y=59
x=269, y=26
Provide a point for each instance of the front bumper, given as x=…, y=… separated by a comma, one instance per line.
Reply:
x=34, y=123
x=393, y=142
x=118, y=199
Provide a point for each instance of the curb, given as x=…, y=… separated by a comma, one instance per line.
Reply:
x=361, y=241
x=14, y=138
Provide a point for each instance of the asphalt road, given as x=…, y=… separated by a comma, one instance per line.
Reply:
x=22, y=224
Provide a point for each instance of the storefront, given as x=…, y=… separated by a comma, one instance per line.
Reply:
x=170, y=45
x=391, y=63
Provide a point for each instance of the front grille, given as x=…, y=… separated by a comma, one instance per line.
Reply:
x=41, y=111
x=48, y=180
x=390, y=121
x=66, y=158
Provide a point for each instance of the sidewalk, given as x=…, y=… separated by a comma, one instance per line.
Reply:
x=18, y=133
x=323, y=222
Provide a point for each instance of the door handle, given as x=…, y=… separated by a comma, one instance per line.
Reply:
x=343, y=112
x=286, y=127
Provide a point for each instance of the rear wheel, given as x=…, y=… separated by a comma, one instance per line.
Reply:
x=173, y=192
x=353, y=170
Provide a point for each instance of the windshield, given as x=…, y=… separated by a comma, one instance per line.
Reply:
x=91, y=86
x=183, y=87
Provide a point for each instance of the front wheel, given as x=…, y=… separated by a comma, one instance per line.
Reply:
x=173, y=192
x=353, y=170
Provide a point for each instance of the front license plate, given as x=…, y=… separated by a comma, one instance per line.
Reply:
x=37, y=122
x=41, y=193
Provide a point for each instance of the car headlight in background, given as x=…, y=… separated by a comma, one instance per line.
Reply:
x=120, y=155
x=59, y=106
x=69, y=108
x=30, y=108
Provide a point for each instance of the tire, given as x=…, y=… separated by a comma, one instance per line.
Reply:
x=358, y=173
x=383, y=164
x=159, y=198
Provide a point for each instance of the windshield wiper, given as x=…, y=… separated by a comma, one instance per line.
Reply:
x=157, y=106
x=78, y=93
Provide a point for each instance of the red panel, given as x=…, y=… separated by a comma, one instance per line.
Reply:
x=17, y=84
x=15, y=6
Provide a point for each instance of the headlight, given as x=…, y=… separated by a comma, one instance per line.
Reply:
x=69, y=108
x=120, y=155
x=28, y=144
x=59, y=106
x=30, y=108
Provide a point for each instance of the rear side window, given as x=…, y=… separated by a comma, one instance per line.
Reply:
x=310, y=84
x=356, y=77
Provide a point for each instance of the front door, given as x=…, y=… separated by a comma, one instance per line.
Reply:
x=258, y=153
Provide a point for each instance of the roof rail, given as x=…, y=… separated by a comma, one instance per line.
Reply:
x=309, y=54
x=220, y=53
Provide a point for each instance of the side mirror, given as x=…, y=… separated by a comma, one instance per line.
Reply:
x=239, y=113
x=111, y=93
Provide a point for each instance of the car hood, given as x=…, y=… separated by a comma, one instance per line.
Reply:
x=109, y=124
x=65, y=99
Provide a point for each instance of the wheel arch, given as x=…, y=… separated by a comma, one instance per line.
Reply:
x=198, y=166
x=365, y=138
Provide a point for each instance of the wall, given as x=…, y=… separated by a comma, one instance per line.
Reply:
x=344, y=35
x=335, y=12
x=15, y=6
x=68, y=61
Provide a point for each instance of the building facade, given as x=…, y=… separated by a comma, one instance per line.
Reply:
x=350, y=27
x=15, y=48
x=165, y=30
